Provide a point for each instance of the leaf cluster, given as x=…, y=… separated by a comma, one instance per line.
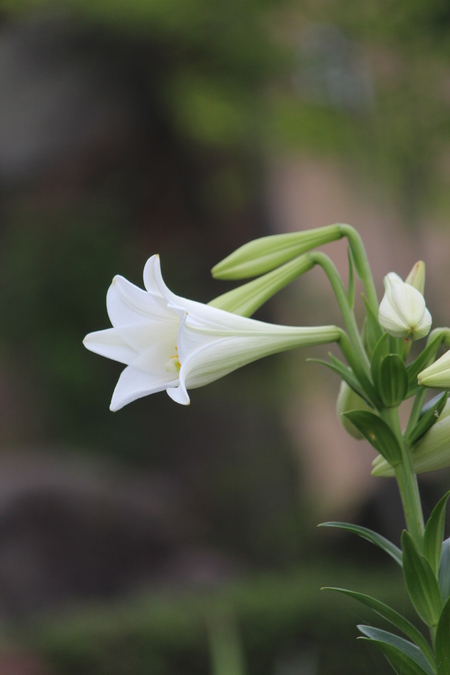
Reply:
x=427, y=578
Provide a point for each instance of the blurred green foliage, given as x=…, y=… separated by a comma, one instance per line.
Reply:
x=276, y=619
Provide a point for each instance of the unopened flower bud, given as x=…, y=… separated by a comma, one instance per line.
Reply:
x=416, y=278
x=262, y=255
x=437, y=376
x=402, y=312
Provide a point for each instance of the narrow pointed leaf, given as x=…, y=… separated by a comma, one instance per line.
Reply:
x=427, y=420
x=345, y=374
x=377, y=432
x=404, y=655
x=442, y=642
x=421, y=583
x=444, y=571
x=434, y=534
x=401, y=663
x=374, y=538
x=393, y=617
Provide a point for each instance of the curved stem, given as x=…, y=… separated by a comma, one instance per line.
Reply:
x=361, y=264
x=348, y=315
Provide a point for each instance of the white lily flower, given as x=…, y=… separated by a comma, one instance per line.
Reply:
x=171, y=343
x=402, y=312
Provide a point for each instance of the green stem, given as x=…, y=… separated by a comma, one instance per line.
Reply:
x=407, y=481
x=348, y=314
x=361, y=264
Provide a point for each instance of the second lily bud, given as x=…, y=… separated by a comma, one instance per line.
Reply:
x=403, y=313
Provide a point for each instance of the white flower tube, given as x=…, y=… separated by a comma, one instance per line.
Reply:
x=402, y=312
x=171, y=343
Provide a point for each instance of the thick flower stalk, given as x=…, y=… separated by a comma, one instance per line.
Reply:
x=170, y=343
x=403, y=313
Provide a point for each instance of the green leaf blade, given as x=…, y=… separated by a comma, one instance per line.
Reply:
x=434, y=534
x=405, y=657
x=392, y=380
x=444, y=571
x=428, y=419
x=377, y=432
x=344, y=373
x=424, y=359
x=374, y=538
x=421, y=582
x=393, y=617
x=442, y=642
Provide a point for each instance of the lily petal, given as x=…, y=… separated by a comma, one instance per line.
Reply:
x=129, y=305
x=148, y=374
x=109, y=343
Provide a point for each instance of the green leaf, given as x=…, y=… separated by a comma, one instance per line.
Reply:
x=374, y=538
x=444, y=571
x=424, y=359
x=391, y=380
x=405, y=656
x=377, y=432
x=434, y=534
x=421, y=583
x=427, y=420
x=442, y=641
x=345, y=373
x=381, y=350
x=393, y=617
x=400, y=662
x=431, y=404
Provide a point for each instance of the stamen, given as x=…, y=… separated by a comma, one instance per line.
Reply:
x=173, y=365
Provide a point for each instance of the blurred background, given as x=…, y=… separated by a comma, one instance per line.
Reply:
x=183, y=541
